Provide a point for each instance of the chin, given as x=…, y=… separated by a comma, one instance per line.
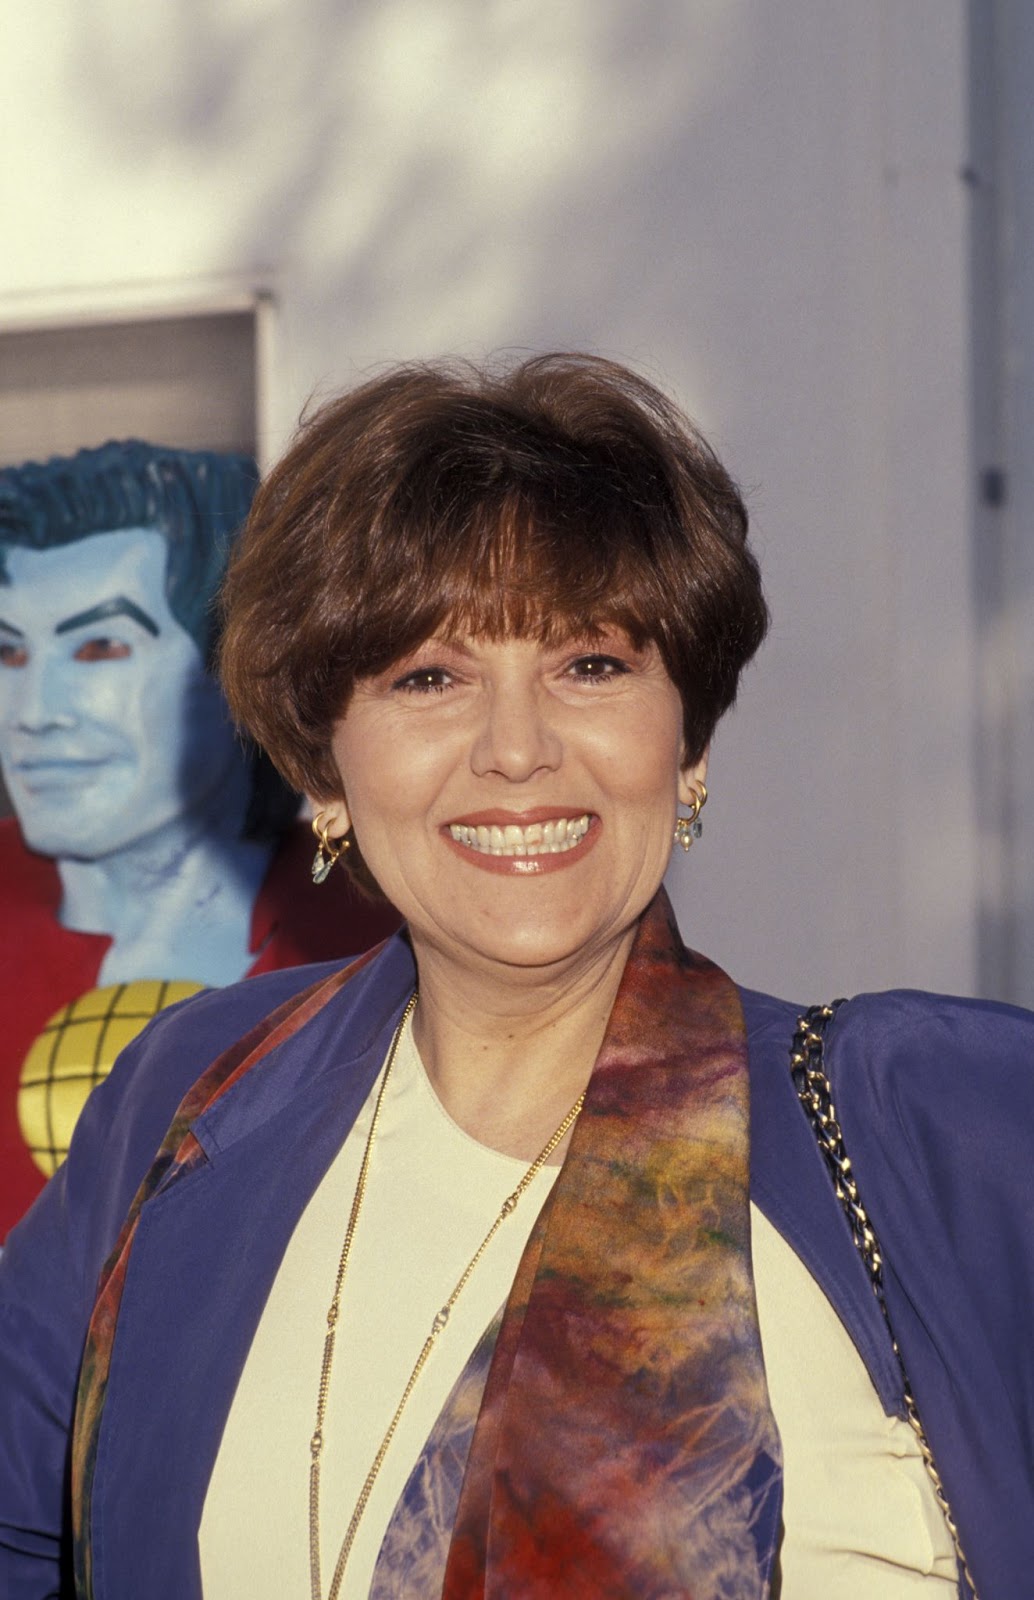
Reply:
x=61, y=848
x=538, y=947
x=46, y=838
x=50, y=837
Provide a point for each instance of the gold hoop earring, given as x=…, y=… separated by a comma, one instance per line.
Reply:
x=690, y=827
x=327, y=852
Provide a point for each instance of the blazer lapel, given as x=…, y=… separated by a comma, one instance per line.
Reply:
x=186, y=1284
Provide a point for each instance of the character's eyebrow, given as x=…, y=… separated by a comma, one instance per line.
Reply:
x=119, y=606
x=9, y=627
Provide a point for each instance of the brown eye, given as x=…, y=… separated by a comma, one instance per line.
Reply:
x=103, y=650
x=13, y=655
x=425, y=680
x=597, y=668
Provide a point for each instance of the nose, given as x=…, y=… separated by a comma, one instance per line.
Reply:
x=37, y=697
x=516, y=738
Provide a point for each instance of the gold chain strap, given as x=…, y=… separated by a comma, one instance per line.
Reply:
x=816, y=1096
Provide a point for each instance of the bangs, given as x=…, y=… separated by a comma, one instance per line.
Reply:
x=551, y=501
x=509, y=567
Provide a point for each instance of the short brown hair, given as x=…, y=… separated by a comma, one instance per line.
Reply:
x=547, y=499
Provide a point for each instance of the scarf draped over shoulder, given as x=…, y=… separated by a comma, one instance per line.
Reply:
x=611, y=1437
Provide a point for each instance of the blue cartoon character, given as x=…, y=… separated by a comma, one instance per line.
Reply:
x=151, y=852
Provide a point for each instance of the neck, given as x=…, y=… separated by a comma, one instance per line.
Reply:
x=508, y=1054
x=176, y=903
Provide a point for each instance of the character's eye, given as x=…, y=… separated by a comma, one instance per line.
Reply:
x=103, y=649
x=596, y=668
x=13, y=655
x=425, y=680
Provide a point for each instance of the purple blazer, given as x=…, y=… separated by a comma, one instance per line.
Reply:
x=936, y=1099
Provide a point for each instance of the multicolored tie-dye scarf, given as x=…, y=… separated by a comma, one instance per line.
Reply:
x=624, y=1447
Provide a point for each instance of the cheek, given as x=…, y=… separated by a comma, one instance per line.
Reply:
x=102, y=693
x=386, y=771
x=175, y=713
x=345, y=751
x=639, y=763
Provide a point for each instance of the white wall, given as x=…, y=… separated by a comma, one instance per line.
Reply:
x=758, y=203
x=1003, y=186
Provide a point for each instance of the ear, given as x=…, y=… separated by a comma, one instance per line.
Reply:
x=337, y=819
x=693, y=773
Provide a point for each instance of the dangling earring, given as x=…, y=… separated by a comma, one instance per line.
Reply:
x=690, y=827
x=327, y=851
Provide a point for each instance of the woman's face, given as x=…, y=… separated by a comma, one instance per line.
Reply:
x=515, y=800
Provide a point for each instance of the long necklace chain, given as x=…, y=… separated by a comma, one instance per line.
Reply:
x=441, y=1319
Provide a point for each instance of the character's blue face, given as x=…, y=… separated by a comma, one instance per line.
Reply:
x=110, y=727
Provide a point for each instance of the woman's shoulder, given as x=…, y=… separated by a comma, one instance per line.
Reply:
x=922, y=1083
x=128, y=1115
x=905, y=1033
x=922, y=1008
x=194, y=1031
x=933, y=1089
x=905, y=1045
x=215, y=1018
x=154, y=1073
x=156, y=1069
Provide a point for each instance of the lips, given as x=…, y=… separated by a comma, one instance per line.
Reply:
x=555, y=836
x=58, y=771
x=537, y=842
x=45, y=763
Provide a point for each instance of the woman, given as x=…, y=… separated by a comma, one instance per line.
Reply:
x=359, y=1331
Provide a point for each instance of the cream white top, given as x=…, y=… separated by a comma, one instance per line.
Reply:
x=859, y=1513
x=861, y=1521
x=432, y=1194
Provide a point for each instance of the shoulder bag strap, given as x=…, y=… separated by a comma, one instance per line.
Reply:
x=816, y=1096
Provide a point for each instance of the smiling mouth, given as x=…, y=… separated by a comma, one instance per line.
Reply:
x=61, y=763
x=552, y=838
x=48, y=766
x=58, y=772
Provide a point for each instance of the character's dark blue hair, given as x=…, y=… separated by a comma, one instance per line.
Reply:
x=197, y=500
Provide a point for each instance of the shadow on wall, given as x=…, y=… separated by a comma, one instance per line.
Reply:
x=446, y=175
x=696, y=189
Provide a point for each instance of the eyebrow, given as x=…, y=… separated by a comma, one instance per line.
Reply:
x=118, y=606
x=9, y=627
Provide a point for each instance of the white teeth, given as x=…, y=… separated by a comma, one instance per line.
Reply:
x=538, y=838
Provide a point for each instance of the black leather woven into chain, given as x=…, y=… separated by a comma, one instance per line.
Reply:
x=815, y=1093
x=816, y=1096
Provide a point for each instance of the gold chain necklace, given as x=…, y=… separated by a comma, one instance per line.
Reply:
x=441, y=1319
